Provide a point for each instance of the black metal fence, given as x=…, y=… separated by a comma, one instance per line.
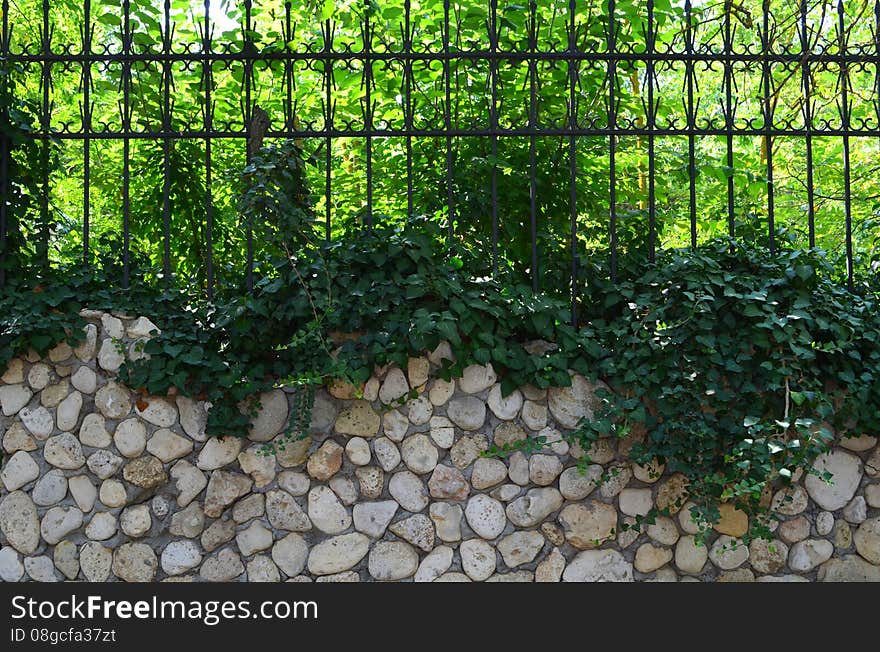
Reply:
x=719, y=56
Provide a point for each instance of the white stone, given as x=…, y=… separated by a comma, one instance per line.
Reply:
x=104, y=464
x=447, y=521
x=442, y=432
x=294, y=482
x=168, y=446
x=806, y=555
x=13, y=398
x=394, y=386
x=284, y=513
x=569, y=405
x=11, y=568
x=520, y=547
x=635, y=502
x=50, y=489
x=395, y=425
x=39, y=376
x=518, y=469
x=859, y=443
x=67, y=413
x=16, y=438
x=856, y=511
x=193, y=417
x=619, y=477
x=767, y=556
x=690, y=557
x=255, y=538
x=258, y=464
x=19, y=523
x=19, y=470
x=38, y=421
x=467, y=449
x=443, y=351
x=224, y=488
x=419, y=454
x=504, y=407
x=534, y=415
x=441, y=391
x=846, y=472
x=588, y=525
x=83, y=492
x=130, y=437
x=64, y=451
x=14, y=373
x=58, y=522
x=477, y=378
x=598, y=566
x=101, y=527
x=529, y=510
x=218, y=452
x=180, y=556
x=488, y=472
x=544, y=469
x=113, y=401
x=158, y=411
x=650, y=558
x=85, y=351
x=574, y=485
x=478, y=559
x=290, y=554
x=417, y=530
x=357, y=450
x=345, y=488
x=790, y=501
x=485, y=515
x=93, y=431
x=867, y=540
x=387, y=454
x=338, y=554
x=136, y=521
x=326, y=512
x=467, y=412
x=271, y=416
x=109, y=356
x=225, y=566
x=142, y=327
x=506, y=492
x=112, y=326
x=663, y=530
x=392, y=561
x=728, y=553
x=824, y=523
x=40, y=569
x=95, y=561
x=434, y=564
x=551, y=568
x=408, y=490
x=372, y=518
x=419, y=410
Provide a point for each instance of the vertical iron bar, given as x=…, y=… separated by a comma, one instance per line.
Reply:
x=368, y=106
x=808, y=118
x=493, y=126
x=208, y=73
x=328, y=123
x=166, y=144
x=533, y=119
x=248, y=73
x=126, y=145
x=768, y=121
x=728, y=116
x=4, y=148
x=447, y=122
x=612, y=144
x=289, y=121
x=408, y=111
x=691, y=119
x=845, y=117
x=86, y=122
x=652, y=126
x=572, y=157
x=46, y=81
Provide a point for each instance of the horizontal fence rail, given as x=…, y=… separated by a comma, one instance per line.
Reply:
x=624, y=90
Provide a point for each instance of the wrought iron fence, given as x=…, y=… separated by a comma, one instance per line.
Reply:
x=815, y=50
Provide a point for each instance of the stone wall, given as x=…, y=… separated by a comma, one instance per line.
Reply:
x=102, y=484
